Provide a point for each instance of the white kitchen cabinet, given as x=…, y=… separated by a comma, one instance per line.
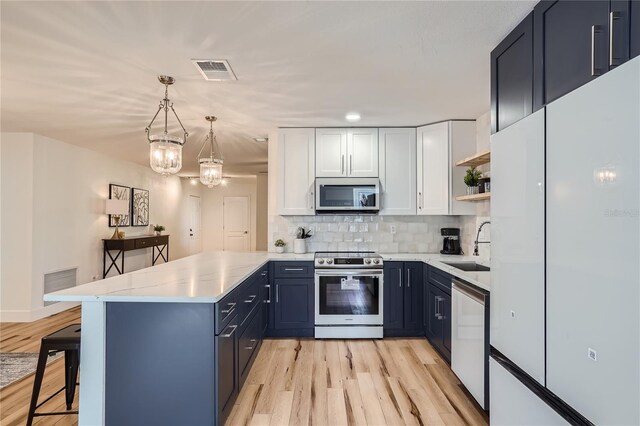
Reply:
x=439, y=146
x=362, y=152
x=397, y=167
x=296, y=153
x=331, y=152
x=347, y=152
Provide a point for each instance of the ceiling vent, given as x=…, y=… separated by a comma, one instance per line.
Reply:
x=214, y=69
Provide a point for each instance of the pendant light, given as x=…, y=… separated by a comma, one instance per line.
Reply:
x=211, y=167
x=165, y=150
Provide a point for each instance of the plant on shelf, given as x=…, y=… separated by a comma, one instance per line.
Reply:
x=279, y=244
x=158, y=229
x=471, y=180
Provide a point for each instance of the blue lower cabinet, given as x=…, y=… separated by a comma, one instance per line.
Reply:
x=226, y=370
x=634, y=12
x=437, y=310
x=265, y=290
x=293, y=307
x=249, y=342
x=403, y=299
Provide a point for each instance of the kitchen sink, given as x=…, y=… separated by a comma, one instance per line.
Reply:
x=468, y=266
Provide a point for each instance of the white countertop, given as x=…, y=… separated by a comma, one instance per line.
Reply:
x=208, y=277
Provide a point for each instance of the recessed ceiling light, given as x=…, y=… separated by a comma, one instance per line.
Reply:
x=224, y=181
x=261, y=140
x=194, y=181
x=352, y=116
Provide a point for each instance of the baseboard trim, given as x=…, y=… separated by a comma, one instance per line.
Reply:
x=36, y=314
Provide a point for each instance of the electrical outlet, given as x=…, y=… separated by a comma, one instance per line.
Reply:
x=513, y=314
x=392, y=228
x=292, y=231
x=592, y=354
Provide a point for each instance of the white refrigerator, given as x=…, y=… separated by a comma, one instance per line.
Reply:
x=565, y=290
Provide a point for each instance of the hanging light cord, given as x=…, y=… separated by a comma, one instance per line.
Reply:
x=166, y=104
x=212, y=140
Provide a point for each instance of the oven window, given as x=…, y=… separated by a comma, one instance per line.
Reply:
x=349, y=295
x=348, y=196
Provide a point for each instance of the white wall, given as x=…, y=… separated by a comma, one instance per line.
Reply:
x=54, y=219
x=16, y=204
x=470, y=224
x=212, y=210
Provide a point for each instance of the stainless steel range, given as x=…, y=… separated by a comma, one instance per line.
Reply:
x=348, y=295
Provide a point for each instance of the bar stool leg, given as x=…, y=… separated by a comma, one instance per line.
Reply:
x=37, y=382
x=70, y=376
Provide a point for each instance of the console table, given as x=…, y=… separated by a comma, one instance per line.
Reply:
x=159, y=243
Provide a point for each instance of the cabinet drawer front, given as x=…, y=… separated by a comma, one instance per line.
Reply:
x=440, y=278
x=225, y=310
x=247, y=344
x=293, y=269
x=144, y=242
x=249, y=298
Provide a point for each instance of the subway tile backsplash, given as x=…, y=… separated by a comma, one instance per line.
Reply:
x=413, y=234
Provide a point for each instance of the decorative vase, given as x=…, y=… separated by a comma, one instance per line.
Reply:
x=299, y=246
x=279, y=249
x=471, y=190
x=157, y=233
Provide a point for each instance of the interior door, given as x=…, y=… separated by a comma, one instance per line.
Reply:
x=195, y=220
x=237, y=227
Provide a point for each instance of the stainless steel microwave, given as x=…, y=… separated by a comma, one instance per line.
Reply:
x=347, y=195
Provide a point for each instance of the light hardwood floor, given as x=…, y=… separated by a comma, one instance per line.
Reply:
x=353, y=382
x=14, y=399
x=319, y=382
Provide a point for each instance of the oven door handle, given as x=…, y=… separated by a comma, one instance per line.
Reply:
x=361, y=272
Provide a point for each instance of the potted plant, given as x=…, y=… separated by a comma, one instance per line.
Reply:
x=471, y=180
x=279, y=244
x=299, y=245
x=157, y=229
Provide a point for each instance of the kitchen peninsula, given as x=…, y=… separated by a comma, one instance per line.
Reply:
x=170, y=339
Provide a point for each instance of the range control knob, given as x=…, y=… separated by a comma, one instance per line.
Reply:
x=320, y=261
x=329, y=261
x=367, y=261
x=376, y=261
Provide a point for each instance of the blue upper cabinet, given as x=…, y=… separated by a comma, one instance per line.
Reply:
x=634, y=13
x=576, y=42
x=512, y=77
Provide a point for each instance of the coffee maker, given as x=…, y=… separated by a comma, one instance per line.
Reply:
x=451, y=241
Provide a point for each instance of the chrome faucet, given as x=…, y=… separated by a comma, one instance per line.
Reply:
x=476, y=242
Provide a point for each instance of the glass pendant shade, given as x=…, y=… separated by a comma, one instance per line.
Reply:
x=165, y=150
x=210, y=172
x=165, y=154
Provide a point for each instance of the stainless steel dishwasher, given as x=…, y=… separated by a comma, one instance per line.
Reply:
x=469, y=339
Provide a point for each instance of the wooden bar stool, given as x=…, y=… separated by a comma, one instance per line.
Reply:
x=67, y=340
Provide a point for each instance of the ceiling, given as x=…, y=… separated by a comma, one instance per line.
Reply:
x=85, y=72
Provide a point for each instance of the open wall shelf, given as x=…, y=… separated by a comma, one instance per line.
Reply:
x=474, y=197
x=476, y=160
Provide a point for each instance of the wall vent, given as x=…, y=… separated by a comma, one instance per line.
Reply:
x=214, y=69
x=60, y=280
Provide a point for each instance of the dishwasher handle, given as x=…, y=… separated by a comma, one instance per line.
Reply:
x=468, y=290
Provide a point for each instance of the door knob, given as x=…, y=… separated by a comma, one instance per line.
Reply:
x=246, y=232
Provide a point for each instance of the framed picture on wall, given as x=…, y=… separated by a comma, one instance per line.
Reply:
x=139, y=207
x=118, y=192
